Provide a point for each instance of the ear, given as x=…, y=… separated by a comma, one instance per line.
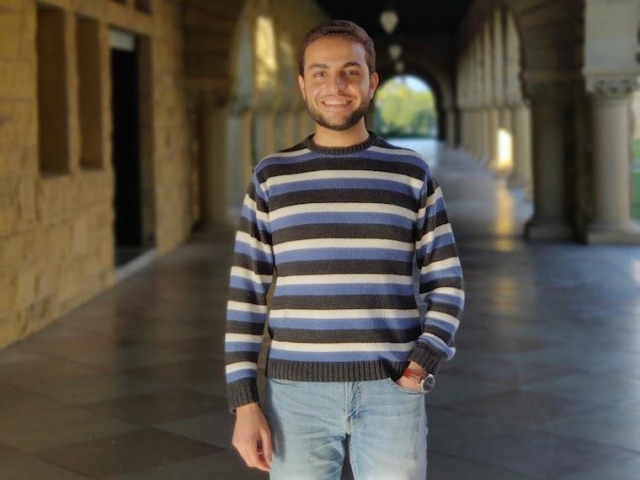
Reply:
x=374, y=80
x=301, y=85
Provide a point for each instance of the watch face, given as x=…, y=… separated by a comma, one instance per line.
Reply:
x=428, y=382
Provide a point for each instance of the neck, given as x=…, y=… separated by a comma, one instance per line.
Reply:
x=326, y=137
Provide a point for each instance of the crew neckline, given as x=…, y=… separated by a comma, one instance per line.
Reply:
x=311, y=145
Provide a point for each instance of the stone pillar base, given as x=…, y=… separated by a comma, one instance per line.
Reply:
x=625, y=234
x=541, y=230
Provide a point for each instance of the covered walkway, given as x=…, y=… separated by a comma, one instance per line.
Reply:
x=546, y=383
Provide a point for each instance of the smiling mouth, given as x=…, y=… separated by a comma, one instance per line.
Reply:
x=336, y=103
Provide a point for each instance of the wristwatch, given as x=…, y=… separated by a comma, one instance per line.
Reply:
x=426, y=381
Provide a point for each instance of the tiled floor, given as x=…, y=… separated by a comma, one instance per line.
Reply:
x=546, y=383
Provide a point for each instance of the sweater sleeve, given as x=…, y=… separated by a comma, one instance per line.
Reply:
x=250, y=280
x=441, y=281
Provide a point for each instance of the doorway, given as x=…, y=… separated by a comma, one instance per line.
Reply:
x=125, y=106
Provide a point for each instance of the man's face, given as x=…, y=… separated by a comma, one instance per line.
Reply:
x=337, y=85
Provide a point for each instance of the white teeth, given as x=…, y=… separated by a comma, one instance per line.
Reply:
x=334, y=102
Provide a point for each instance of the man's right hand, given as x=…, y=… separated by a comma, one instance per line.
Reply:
x=252, y=437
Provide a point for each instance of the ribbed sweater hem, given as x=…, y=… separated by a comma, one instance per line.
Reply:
x=333, y=372
x=242, y=393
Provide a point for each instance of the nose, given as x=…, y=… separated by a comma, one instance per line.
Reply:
x=337, y=82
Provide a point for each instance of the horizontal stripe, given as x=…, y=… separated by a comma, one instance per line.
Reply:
x=295, y=356
x=389, y=314
x=344, y=323
x=410, y=188
x=345, y=230
x=345, y=301
x=368, y=335
x=343, y=266
x=341, y=243
x=351, y=208
x=237, y=367
x=342, y=347
x=329, y=176
x=341, y=218
x=369, y=254
x=235, y=337
x=344, y=279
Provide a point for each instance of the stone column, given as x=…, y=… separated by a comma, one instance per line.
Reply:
x=214, y=178
x=610, y=102
x=450, y=126
x=549, y=101
x=264, y=137
x=521, y=121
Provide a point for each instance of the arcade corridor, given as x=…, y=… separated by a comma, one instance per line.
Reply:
x=546, y=383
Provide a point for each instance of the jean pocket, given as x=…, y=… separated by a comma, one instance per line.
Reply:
x=404, y=390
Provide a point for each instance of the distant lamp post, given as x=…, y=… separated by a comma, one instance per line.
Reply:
x=399, y=67
x=395, y=51
x=389, y=20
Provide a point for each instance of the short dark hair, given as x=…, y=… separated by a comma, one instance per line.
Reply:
x=339, y=29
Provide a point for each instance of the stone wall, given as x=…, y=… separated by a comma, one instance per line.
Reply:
x=56, y=230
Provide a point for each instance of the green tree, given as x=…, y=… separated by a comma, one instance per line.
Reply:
x=401, y=111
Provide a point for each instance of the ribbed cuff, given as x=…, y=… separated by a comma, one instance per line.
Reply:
x=242, y=393
x=425, y=358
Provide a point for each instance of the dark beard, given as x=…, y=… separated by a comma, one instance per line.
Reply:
x=353, y=118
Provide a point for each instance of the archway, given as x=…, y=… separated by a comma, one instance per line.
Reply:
x=405, y=107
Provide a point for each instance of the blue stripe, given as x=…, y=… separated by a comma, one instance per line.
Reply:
x=242, y=347
x=242, y=316
x=244, y=284
x=446, y=326
x=440, y=274
x=254, y=253
x=330, y=218
x=445, y=298
x=337, y=289
x=372, y=254
x=345, y=323
x=441, y=241
x=334, y=357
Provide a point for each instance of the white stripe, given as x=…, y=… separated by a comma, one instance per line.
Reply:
x=441, y=265
x=443, y=317
x=307, y=208
x=243, y=237
x=433, y=234
x=246, y=307
x=342, y=347
x=236, y=367
x=398, y=151
x=454, y=292
x=249, y=275
x=251, y=205
x=294, y=153
x=328, y=243
x=347, y=314
x=344, y=279
x=342, y=174
x=242, y=338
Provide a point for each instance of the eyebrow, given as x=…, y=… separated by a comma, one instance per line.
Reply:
x=324, y=65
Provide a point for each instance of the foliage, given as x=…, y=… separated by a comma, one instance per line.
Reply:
x=401, y=111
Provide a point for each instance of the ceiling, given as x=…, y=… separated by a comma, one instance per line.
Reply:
x=416, y=17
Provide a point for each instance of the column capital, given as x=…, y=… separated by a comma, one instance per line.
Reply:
x=611, y=87
x=556, y=93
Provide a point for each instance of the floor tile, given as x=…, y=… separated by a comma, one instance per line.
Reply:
x=617, y=427
x=161, y=406
x=181, y=373
x=523, y=407
x=444, y=467
x=85, y=390
x=30, y=468
x=600, y=388
x=134, y=451
x=39, y=430
x=544, y=455
x=44, y=369
x=225, y=465
x=617, y=471
x=215, y=428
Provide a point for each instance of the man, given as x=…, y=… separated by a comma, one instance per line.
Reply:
x=341, y=218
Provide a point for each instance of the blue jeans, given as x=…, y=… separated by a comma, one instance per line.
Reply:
x=383, y=424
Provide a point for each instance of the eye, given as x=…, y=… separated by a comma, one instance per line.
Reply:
x=353, y=72
x=319, y=74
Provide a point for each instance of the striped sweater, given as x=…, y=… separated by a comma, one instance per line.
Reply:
x=339, y=230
